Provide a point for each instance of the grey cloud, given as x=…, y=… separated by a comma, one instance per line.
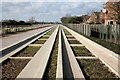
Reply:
x=46, y=11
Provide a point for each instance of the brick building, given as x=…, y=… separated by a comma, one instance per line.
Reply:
x=94, y=18
x=112, y=12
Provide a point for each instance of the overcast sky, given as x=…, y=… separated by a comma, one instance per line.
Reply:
x=46, y=10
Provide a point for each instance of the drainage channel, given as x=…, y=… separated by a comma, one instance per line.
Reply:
x=15, y=64
x=91, y=66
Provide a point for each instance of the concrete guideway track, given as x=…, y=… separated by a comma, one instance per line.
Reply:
x=109, y=58
x=67, y=66
x=76, y=71
x=38, y=69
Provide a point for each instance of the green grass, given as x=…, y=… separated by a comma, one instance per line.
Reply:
x=70, y=37
x=74, y=42
x=28, y=51
x=109, y=45
x=66, y=32
x=40, y=42
x=81, y=51
x=44, y=37
x=94, y=69
x=50, y=73
x=50, y=32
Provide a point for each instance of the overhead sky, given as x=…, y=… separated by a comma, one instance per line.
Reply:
x=51, y=10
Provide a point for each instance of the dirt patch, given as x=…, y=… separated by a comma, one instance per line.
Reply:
x=94, y=69
x=81, y=51
x=12, y=68
x=29, y=51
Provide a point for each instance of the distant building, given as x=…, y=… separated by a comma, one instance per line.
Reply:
x=94, y=18
x=109, y=15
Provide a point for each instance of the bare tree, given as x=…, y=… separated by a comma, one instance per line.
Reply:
x=32, y=19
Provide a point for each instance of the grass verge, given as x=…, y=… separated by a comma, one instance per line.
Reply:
x=94, y=69
x=50, y=73
x=81, y=51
